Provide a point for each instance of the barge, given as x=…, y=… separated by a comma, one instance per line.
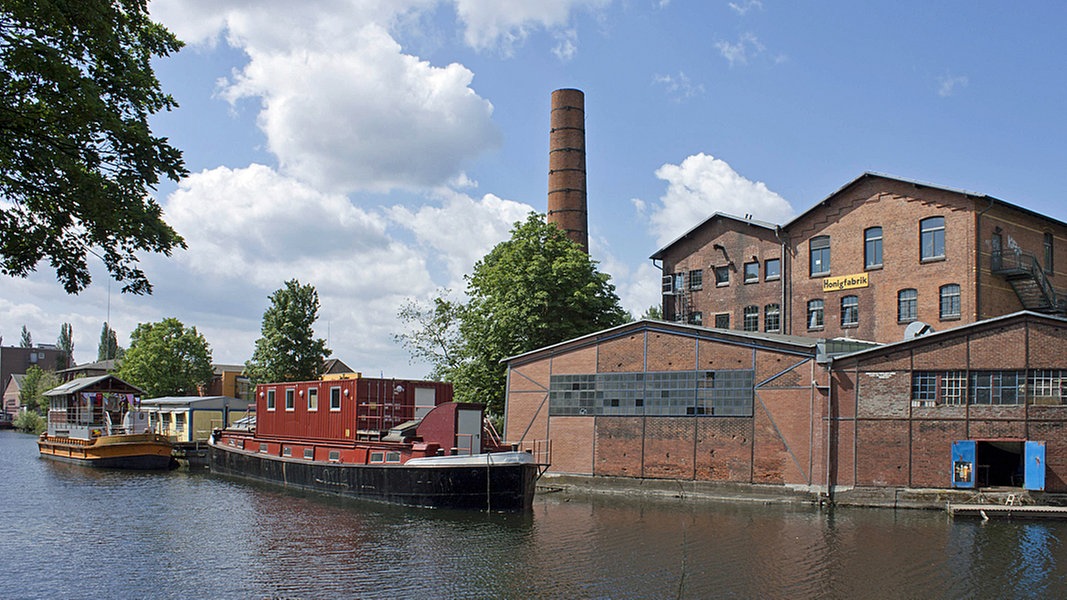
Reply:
x=398, y=442
x=97, y=422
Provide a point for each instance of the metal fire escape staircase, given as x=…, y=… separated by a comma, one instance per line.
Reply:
x=1024, y=273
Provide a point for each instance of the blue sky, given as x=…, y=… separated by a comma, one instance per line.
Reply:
x=377, y=149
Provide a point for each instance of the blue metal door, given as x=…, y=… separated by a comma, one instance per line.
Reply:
x=963, y=453
x=1034, y=470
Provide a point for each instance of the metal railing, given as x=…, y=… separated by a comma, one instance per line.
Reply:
x=1018, y=262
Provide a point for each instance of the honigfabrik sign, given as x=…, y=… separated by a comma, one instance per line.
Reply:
x=845, y=282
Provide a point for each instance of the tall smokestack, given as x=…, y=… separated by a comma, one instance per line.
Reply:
x=566, y=166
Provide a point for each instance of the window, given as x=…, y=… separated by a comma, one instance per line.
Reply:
x=290, y=399
x=947, y=387
x=722, y=321
x=270, y=399
x=772, y=269
x=262, y=448
x=377, y=457
x=392, y=457
x=997, y=387
x=1047, y=386
x=815, y=308
x=704, y=394
x=820, y=255
x=752, y=272
x=850, y=311
x=696, y=318
x=696, y=279
x=751, y=320
x=309, y=454
x=950, y=301
x=932, y=238
x=907, y=306
x=287, y=451
x=1048, y=253
x=313, y=399
x=722, y=276
x=772, y=320
x=923, y=389
x=679, y=282
x=872, y=248
x=334, y=456
x=179, y=422
x=335, y=398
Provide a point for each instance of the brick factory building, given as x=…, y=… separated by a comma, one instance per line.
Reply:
x=896, y=336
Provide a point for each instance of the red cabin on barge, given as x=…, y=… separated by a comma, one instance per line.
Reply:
x=391, y=440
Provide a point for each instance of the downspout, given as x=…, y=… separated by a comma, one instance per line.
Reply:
x=978, y=259
x=829, y=423
x=784, y=313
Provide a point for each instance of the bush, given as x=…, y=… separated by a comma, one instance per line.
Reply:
x=30, y=422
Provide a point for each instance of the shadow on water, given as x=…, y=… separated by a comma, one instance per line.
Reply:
x=185, y=534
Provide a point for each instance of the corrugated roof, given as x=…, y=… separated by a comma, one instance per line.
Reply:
x=81, y=383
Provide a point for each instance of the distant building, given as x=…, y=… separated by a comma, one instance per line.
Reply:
x=18, y=360
x=191, y=418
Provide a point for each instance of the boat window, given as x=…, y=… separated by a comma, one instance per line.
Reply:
x=231, y=442
x=263, y=448
x=241, y=444
x=309, y=453
x=377, y=457
x=392, y=457
x=287, y=451
x=335, y=456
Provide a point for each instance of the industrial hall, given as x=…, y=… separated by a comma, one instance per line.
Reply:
x=895, y=336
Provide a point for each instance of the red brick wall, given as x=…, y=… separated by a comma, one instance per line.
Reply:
x=572, y=445
x=724, y=449
x=619, y=446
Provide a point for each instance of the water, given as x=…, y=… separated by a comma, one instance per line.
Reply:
x=76, y=532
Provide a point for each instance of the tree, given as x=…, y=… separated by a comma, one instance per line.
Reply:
x=288, y=350
x=653, y=312
x=36, y=382
x=534, y=290
x=167, y=359
x=108, y=348
x=27, y=339
x=77, y=157
x=66, y=344
x=434, y=337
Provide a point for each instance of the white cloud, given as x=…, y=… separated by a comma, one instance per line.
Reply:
x=679, y=87
x=703, y=185
x=742, y=8
x=949, y=83
x=748, y=46
x=504, y=24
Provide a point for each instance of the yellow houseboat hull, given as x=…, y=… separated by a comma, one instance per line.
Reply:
x=146, y=451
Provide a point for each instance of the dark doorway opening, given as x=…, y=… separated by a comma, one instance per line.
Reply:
x=999, y=463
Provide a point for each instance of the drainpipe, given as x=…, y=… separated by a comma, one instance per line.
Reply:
x=978, y=259
x=785, y=314
x=829, y=421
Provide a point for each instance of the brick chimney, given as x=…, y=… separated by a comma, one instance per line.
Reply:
x=566, y=166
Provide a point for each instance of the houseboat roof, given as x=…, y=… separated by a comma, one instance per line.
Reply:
x=201, y=402
x=82, y=383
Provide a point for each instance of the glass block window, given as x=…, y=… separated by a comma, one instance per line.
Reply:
x=772, y=318
x=907, y=306
x=751, y=318
x=950, y=301
x=666, y=393
x=850, y=311
x=932, y=238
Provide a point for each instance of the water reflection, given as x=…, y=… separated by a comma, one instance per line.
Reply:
x=181, y=535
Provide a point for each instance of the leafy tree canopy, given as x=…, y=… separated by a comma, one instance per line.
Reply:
x=167, y=359
x=66, y=344
x=108, y=348
x=534, y=290
x=36, y=382
x=77, y=158
x=288, y=350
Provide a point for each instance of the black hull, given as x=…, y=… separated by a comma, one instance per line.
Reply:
x=500, y=487
x=133, y=463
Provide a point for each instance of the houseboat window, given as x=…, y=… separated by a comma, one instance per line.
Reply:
x=819, y=248
x=772, y=269
x=270, y=399
x=179, y=422
x=950, y=301
x=335, y=456
x=722, y=276
x=231, y=442
x=335, y=398
x=263, y=448
x=392, y=457
x=287, y=451
x=772, y=319
x=751, y=318
x=309, y=453
x=815, y=314
x=932, y=238
x=752, y=272
x=872, y=248
x=850, y=311
x=696, y=279
x=241, y=444
x=313, y=399
x=907, y=305
x=290, y=399
x=377, y=457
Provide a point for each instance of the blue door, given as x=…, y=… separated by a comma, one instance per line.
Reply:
x=1034, y=469
x=963, y=453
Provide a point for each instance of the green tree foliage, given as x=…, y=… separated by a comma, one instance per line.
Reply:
x=77, y=157
x=434, y=334
x=30, y=422
x=27, y=338
x=36, y=382
x=167, y=359
x=108, y=347
x=534, y=290
x=66, y=344
x=653, y=312
x=288, y=350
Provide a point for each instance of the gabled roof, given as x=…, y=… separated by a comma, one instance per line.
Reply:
x=714, y=217
x=83, y=383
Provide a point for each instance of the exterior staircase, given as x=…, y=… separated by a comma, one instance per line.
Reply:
x=1024, y=273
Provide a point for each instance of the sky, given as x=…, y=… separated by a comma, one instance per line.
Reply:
x=377, y=149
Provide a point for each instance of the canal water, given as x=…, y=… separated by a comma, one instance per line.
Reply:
x=72, y=532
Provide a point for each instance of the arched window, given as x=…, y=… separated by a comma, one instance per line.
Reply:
x=932, y=238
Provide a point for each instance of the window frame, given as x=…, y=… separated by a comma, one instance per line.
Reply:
x=290, y=399
x=333, y=407
x=872, y=242
x=722, y=276
x=853, y=310
x=753, y=277
x=777, y=269
x=696, y=279
x=944, y=294
x=313, y=399
x=272, y=400
x=696, y=318
x=823, y=251
x=913, y=302
x=720, y=316
x=774, y=310
x=816, y=306
x=932, y=232
x=750, y=318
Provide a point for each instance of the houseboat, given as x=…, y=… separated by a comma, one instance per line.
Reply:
x=98, y=422
x=384, y=440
